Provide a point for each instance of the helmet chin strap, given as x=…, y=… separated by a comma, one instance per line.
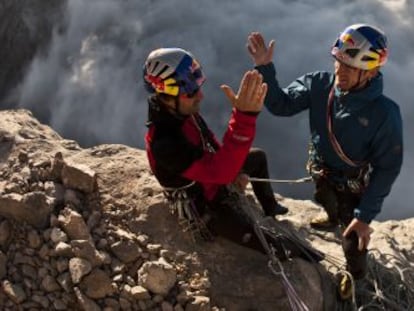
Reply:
x=173, y=106
x=177, y=105
x=358, y=85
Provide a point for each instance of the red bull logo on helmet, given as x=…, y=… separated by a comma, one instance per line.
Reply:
x=346, y=38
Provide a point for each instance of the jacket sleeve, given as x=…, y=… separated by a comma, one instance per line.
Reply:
x=285, y=101
x=223, y=166
x=386, y=164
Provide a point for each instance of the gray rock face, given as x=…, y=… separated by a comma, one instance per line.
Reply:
x=65, y=281
x=57, y=235
x=97, y=285
x=5, y=232
x=158, y=276
x=34, y=239
x=49, y=284
x=85, y=249
x=14, y=291
x=140, y=293
x=199, y=303
x=63, y=249
x=78, y=268
x=86, y=303
x=79, y=177
x=74, y=225
x=3, y=267
x=34, y=208
x=126, y=251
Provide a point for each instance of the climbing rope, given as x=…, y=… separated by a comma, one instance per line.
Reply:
x=387, y=287
x=296, y=303
x=282, y=181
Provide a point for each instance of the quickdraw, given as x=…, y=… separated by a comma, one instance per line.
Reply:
x=188, y=217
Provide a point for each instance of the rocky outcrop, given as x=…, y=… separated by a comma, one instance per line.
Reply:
x=87, y=229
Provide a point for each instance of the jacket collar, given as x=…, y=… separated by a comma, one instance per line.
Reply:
x=356, y=100
x=159, y=115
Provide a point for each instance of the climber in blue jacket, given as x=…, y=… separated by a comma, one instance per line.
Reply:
x=356, y=142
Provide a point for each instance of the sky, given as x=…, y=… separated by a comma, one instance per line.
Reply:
x=88, y=86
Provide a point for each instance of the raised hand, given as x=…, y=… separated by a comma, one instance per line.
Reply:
x=260, y=53
x=251, y=94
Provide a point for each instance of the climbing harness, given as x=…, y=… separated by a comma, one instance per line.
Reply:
x=188, y=216
x=355, y=180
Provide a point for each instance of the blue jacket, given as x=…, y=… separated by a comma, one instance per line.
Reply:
x=366, y=123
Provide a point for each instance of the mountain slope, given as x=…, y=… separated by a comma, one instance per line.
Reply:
x=88, y=229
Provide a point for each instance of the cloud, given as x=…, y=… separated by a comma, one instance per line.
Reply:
x=89, y=86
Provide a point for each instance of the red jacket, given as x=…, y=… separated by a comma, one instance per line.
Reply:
x=183, y=149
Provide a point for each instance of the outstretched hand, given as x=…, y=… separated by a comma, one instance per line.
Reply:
x=260, y=53
x=363, y=231
x=251, y=94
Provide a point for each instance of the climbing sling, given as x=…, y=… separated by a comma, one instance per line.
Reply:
x=355, y=179
x=335, y=144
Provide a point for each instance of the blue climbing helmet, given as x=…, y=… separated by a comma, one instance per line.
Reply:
x=361, y=46
x=172, y=71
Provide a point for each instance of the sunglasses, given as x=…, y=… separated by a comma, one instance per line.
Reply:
x=192, y=94
x=195, y=77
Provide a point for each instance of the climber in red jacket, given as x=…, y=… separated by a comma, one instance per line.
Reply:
x=184, y=154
